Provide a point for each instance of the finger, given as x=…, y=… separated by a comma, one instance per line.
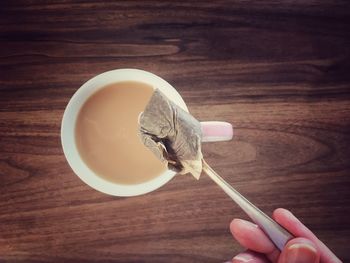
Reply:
x=252, y=237
x=300, y=250
x=251, y=257
x=293, y=225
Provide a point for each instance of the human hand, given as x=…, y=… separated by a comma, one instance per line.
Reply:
x=305, y=248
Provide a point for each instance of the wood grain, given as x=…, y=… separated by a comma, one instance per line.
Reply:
x=278, y=70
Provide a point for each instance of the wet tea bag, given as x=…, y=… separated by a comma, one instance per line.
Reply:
x=172, y=134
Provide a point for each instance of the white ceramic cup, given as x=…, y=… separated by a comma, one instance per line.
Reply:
x=213, y=131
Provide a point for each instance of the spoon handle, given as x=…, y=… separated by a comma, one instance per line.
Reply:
x=278, y=235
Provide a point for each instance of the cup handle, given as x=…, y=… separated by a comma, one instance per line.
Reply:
x=216, y=131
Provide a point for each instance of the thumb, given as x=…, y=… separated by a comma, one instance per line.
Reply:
x=299, y=250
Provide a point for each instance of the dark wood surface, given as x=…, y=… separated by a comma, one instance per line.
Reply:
x=278, y=70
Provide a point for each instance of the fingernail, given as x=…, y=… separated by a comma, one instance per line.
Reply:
x=286, y=213
x=246, y=223
x=301, y=253
x=241, y=258
x=289, y=213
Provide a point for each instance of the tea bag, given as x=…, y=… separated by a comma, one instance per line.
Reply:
x=172, y=134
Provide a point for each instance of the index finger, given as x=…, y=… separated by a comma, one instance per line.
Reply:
x=251, y=236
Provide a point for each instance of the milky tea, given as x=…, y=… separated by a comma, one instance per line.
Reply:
x=106, y=134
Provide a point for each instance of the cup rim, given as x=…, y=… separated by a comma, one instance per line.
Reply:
x=68, y=126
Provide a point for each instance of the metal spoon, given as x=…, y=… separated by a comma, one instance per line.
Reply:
x=278, y=235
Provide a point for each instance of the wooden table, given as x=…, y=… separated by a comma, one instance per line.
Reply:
x=279, y=71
